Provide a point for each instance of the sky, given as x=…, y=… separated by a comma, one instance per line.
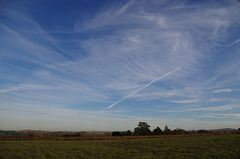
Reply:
x=88, y=65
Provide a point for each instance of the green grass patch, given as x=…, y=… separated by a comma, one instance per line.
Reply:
x=215, y=146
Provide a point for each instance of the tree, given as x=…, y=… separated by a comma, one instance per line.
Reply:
x=202, y=131
x=157, y=131
x=166, y=131
x=128, y=133
x=116, y=133
x=178, y=131
x=142, y=129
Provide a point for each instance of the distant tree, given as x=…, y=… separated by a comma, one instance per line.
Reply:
x=128, y=133
x=142, y=129
x=116, y=133
x=190, y=132
x=157, y=131
x=178, y=131
x=202, y=131
x=239, y=129
x=70, y=135
x=166, y=131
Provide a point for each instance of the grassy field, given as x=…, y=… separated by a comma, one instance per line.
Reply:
x=211, y=146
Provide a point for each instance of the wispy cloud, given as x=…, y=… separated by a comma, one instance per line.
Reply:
x=222, y=90
x=184, y=101
x=24, y=87
x=223, y=115
x=131, y=94
x=213, y=108
x=113, y=53
x=221, y=99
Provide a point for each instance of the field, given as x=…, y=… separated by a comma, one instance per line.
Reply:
x=206, y=146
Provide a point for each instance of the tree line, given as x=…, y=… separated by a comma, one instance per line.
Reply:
x=143, y=129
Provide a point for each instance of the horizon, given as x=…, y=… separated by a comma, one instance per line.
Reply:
x=132, y=130
x=106, y=65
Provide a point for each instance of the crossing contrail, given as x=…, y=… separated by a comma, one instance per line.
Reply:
x=141, y=88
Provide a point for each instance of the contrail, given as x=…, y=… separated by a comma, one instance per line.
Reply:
x=233, y=43
x=141, y=88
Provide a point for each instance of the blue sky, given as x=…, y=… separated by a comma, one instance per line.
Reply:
x=106, y=65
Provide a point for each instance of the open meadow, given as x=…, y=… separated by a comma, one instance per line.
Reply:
x=205, y=146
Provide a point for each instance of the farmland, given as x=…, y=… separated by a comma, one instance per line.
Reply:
x=199, y=146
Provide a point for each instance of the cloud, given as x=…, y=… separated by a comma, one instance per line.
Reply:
x=116, y=51
x=176, y=41
x=24, y=87
x=112, y=16
x=184, y=101
x=134, y=92
x=218, y=108
x=223, y=115
x=221, y=99
x=197, y=109
x=223, y=90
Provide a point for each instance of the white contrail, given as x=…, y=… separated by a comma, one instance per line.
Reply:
x=141, y=88
x=233, y=43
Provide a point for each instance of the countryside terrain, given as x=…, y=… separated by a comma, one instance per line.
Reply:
x=224, y=145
